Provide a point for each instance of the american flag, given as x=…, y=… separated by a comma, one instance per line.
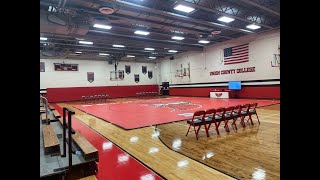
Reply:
x=236, y=54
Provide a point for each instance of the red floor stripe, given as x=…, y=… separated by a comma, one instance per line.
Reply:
x=136, y=114
x=113, y=162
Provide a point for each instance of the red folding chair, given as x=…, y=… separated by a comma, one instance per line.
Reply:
x=243, y=113
x=208, y=117
x=228, y=115
x=235, y=115
x=197, y=120
x=252, y=111
x=83, y=98
x=218, y=118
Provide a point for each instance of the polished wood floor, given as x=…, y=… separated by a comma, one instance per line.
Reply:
x=249, y=153
x=159, y=149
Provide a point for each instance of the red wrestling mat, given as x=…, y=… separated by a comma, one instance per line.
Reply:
x=137, y=114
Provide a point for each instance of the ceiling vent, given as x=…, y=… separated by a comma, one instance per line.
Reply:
x=106, y=10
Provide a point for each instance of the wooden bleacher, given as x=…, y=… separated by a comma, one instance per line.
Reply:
x=56, y=114
x=42, y=110
x=89, y=153
x=50, y=139
x=88, y=150
x=51, y=107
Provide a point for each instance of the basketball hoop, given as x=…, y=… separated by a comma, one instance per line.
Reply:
x=183, y=71
x=116, y=75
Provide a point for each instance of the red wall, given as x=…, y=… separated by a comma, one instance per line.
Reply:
x=272, y=92
x=75, y=93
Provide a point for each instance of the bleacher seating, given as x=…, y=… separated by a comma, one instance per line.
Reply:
x=87, y=149
x=50, y=139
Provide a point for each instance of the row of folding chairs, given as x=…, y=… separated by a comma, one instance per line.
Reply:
x=94, y=98
x=224, y=115
x=146, y=93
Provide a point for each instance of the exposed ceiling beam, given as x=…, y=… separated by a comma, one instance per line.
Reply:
x=161, y=43
x=153, y=32
x=150, y=23
x=261, y=7
x=106, y=49
x=137, y=20
x=219, y=12
x=165, y=14
x=129, y=42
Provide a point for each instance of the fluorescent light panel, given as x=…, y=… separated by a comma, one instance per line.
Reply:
x=253, y=26
x=78, y=52
x=225, y=19
x=177, y=38
x=204, y=41
x=184, y=8
x=172, y=51
x=149, y=49
x=130, y=56
x=101, y=26
x=142, y=32
x=151, y=57
x=117, y=45
x=85, y=42
x=43, y=38
x=103, y=54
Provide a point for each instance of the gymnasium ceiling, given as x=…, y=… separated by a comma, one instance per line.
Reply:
x=63, y=23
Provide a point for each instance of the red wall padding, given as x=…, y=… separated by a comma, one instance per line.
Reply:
x=75, y=93
x=272, y=92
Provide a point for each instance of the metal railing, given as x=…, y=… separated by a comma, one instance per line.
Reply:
x=70, y=131
x=44, y=102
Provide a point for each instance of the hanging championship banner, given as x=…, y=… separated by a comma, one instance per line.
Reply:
x=136, y=78
x=90, y=76
x=65, y=67
x=150, y=74
x=128, y=69
x=144, y=69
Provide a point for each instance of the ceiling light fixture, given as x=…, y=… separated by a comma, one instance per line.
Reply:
x=101, y=26
x=184, y=8
x=225, y=19
x=149, y=49
x=103, y=54
x=177, y=38
x=172, y=51
x=151, y=57
x=130, y=56
x=43, y=38
x=145, y=33
x=116, y=45
x=253, y=26
x=204, y=41
x=85, y=42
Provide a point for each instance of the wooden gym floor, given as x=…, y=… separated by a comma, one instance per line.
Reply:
x=250, y=153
